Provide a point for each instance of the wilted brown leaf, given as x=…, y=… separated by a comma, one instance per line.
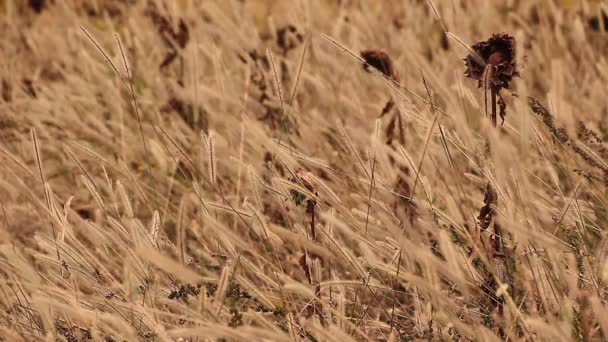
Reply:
x=381, y=61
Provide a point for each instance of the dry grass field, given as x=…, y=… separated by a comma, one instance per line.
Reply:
x=310, y=170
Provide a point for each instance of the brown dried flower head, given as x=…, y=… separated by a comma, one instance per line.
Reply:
x=494, y=67
x=381, y=61
x=498, y=53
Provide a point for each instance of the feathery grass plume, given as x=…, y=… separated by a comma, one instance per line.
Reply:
x=562, y=136
x=47, y=190
x=352, y=148
x=593, y=139
x=127, y=80
x=558, y=133
x=124, y=197
x=496, y=69
x=93, y=190
x=155, y=228
x=209, y=146
x=296, y=82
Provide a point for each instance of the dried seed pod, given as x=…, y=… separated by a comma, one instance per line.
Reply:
x=493, y=65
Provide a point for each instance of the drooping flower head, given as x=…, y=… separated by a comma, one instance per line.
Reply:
x=498, y=53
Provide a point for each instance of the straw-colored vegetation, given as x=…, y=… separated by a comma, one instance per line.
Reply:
x=207, y=170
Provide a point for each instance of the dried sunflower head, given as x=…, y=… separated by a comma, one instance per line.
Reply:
x=497, y=53
x=493, y=65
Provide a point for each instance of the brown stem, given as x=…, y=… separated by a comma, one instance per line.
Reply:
x=493, y=107
x=311, y=210
x=497, y=242
x=401, y=133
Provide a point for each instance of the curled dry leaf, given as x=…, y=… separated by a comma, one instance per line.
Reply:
x=7, y=91
x=173, y=38
x=388, y=107
x=381, y=61
x=264, y=90
x=28, y=87
x=305, y=179
x=599, y=22
x=486, y=213
x=37, y=5
x=195, y=118
x=288, y=38
x=304, y=265
x=494, y=66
